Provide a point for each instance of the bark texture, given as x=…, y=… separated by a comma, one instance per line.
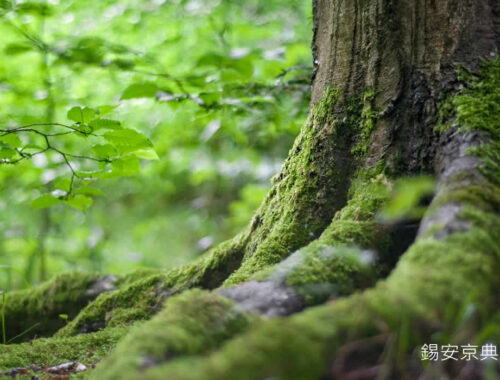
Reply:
x=400, y=88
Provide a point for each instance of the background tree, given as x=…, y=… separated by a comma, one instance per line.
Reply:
x=399, y=88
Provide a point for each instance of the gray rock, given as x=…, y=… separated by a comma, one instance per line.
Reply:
x=266, y=298
x=101, y=285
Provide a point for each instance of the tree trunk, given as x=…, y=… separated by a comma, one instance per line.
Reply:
x=387, y=101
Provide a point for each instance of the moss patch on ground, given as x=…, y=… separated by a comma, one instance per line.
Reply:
x=87, y=349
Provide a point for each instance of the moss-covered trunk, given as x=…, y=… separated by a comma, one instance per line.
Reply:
x=387, y=101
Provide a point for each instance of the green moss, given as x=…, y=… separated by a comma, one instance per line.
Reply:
x=312, y=185
x=486, y=197
x=323, y=110
x=325, y=272
x=129, y=278
x=87, y=349
x=367, y=124
x=193, y=322
x=432, y=278
x=476, y=108
x=332, y=266
x=38, y=309
x=367, y=195
x=141, y=295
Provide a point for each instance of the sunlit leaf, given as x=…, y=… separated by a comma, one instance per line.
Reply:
x=105, y=150
x=104, y=110
x=45, y=201
x=127, y=140
x=63, y=184
x=140, y=90
x=97, y=124
x=147, y=154
x=406, y=198
x=125, y=166
x=87, y=190
x=12, y=139
x=7, y=152
x=80, y=202
x=81, y=114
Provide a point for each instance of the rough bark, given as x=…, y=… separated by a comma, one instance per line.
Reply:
x=386, y=77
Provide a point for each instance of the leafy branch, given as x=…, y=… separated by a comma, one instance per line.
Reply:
x=116, y=146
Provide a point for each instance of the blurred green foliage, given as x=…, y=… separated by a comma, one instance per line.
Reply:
x=409, y=199
x=189, y=106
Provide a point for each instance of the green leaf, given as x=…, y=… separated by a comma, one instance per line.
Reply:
x=147, y=154
x=17, y=48
x=80, y=202
x=105, y=150
x=104, y=110
x=7, y=153
x=212, y=59
x=12, y=139
x=36, y=8
x=87, y=190
x=45, y=201
x=81, y=114
x=127, y=140
x=63, y=184
x=32, y=148
x=140, y=90
x=122, y=167
x=126, y=166
x=5, y=5
x=90, y=50
x=210, y=98
x=63, y=316
x=124, y=64
x=97, y=124
x=406, y=197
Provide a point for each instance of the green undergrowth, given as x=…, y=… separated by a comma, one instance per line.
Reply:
x=191, y=323
x=87, y=349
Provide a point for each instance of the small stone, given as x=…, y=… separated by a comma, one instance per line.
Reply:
x=80, y=367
